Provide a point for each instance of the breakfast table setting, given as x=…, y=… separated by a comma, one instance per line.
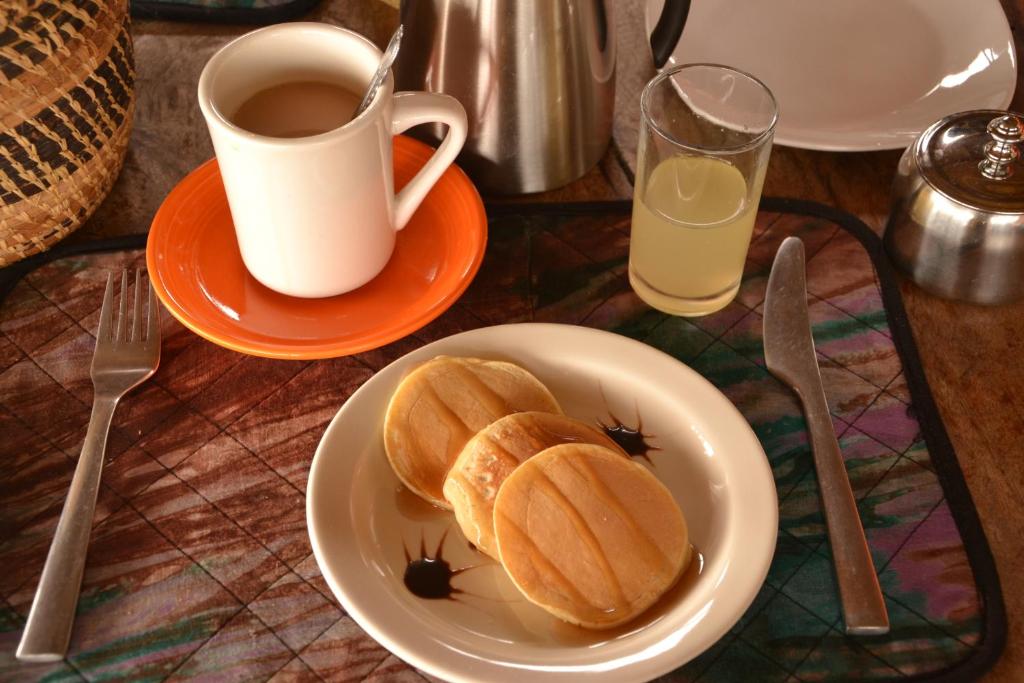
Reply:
x=482, y=340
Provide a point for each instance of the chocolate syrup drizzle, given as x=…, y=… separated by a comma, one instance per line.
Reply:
x=630, y=439
x=429, y=577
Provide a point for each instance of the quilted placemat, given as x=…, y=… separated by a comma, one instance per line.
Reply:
x=200, y=565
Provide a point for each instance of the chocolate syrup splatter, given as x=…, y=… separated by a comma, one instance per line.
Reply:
x=630, y=439
x=431, y=577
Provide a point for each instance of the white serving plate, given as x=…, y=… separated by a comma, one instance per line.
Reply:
x=362, y=521
x=855, y=75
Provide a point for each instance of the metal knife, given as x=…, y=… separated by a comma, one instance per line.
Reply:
x=789, y=354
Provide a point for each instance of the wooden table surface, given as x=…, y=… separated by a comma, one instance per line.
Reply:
x=973, y=356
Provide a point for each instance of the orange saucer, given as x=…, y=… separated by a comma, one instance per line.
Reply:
x=197, y=271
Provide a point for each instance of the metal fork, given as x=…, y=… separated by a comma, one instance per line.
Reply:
x=127, y=354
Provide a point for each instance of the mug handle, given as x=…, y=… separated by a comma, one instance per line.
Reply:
x=411, y=109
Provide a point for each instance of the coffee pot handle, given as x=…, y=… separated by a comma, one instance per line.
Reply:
x=411, y=109
x=668, y=29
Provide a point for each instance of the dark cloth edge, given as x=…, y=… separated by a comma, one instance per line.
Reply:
x=143, y=9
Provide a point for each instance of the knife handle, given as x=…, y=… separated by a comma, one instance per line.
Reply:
x=861, y=597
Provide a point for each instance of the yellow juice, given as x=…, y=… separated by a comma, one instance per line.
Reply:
x=691, y=230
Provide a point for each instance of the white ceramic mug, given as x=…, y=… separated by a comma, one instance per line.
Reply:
x=317, y=216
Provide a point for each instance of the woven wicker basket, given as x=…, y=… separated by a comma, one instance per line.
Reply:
x=66, y=104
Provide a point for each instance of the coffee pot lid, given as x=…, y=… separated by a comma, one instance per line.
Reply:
x=974, y=158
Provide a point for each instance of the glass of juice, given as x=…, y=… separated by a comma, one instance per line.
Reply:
x=705, y=137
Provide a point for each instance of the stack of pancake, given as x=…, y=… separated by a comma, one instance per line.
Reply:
x=582, y=530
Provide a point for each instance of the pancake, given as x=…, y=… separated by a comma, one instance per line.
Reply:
x=590, y=536
x=493, y=453
x=441, y=405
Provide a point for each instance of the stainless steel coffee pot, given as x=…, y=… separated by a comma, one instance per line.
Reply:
x=537, y=79
x=957, y=221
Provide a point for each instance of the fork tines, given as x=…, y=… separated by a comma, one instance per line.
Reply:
x=108, y=331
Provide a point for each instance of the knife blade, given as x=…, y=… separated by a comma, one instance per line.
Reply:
x=789, y=355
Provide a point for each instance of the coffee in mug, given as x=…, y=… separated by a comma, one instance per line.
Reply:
x=311, y=191
x=296, y=109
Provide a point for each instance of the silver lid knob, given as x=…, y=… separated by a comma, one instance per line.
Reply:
x=1001, y=151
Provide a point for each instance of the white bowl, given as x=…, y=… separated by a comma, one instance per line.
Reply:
x=362, y=521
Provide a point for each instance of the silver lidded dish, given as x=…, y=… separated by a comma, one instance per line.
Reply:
x=956, y=226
